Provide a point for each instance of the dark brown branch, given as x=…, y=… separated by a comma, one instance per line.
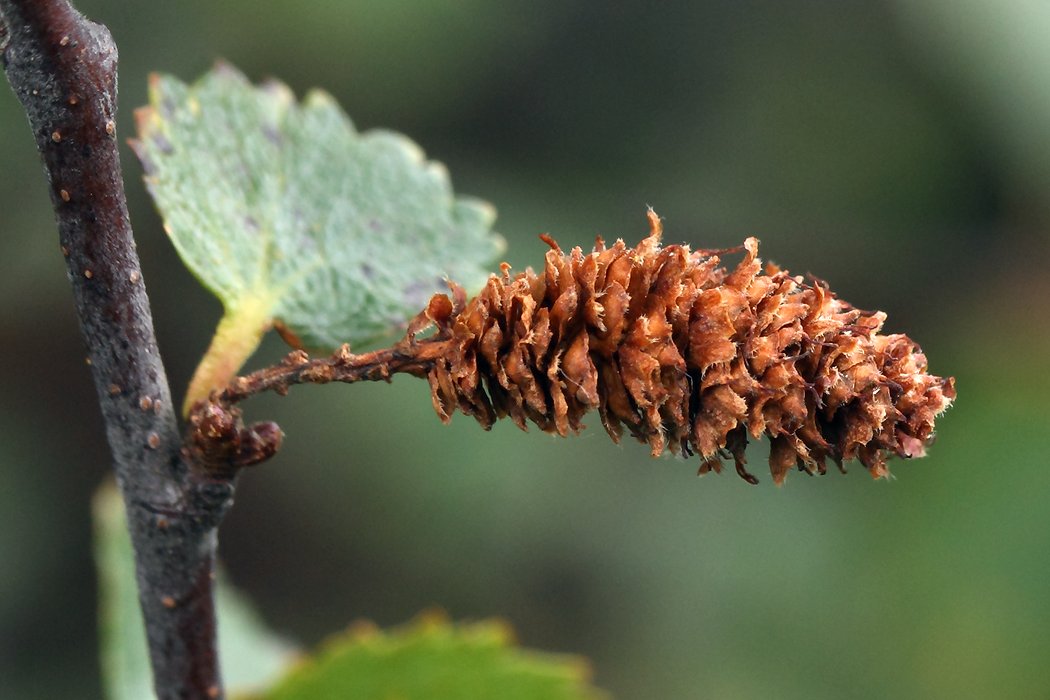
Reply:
x=63, y=69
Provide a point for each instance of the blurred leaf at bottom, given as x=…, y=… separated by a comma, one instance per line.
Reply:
x=429, y=658
x=432, y=659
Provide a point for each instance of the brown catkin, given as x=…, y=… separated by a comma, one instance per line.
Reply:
x=687, y=355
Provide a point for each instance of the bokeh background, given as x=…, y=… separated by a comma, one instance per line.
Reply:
x=900, y=150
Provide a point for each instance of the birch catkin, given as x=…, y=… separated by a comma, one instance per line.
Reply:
x=687, y=355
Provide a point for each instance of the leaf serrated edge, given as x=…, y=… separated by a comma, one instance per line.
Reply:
x=494, y=632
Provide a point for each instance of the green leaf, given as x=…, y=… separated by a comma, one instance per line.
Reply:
x=125, y=662
x=289, y=215
x=434, y=660
x=252, y=656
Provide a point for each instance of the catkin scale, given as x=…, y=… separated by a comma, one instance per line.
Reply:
x=686, y=355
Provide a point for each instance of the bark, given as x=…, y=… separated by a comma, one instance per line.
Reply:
x=63, y=69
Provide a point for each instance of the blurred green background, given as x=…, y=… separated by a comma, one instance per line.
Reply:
x=900, y=150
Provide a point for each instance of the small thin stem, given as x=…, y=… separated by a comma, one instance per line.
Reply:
x=342, y=366
x=63, y=69
x=219, y=442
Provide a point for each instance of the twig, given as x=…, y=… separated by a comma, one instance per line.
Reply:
x=217, y=438
x=342, y=366
x=63, y=69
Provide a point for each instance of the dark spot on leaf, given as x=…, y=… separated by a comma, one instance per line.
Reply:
x=307, y=244
x=163, y=144
x=251, y=223
x=375, y=225
x=418, y=293
x=167, y=107
x=367, y=271
x=395, y=322
x=273, y=135
x=273, y=87
x=225, y=69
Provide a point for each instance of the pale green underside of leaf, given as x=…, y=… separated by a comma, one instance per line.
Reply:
x=252, y=657
x=345, y=234
x=434, y=660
